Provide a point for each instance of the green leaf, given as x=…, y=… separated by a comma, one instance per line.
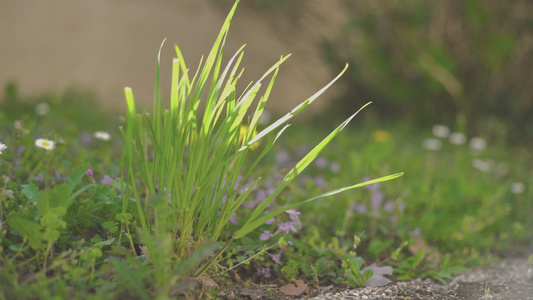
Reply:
x=50, y=234
x=29, y=230
x=31, y=191
x=75, y=178
x=43, y=205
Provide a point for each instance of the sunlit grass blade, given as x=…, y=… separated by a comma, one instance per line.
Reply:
x=261, y=220
x=296, y=110
x=300, y=166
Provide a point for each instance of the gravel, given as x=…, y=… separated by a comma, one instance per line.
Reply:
x=512, y=279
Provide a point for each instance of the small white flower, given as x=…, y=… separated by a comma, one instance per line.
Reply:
x=432, y=144
x=517, y=188
x=457, y=138
x=2, y=147
x=18, y=124
x=42, y=109
x=45, y=144
x=441, y=131
x=483, y=166
x=102, y=135
x=478, y=144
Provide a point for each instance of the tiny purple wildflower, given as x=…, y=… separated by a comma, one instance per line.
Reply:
x=417, y=233
x=360, y=208
x=287, y=226
x=389, y=206
x=233, y=219
x=89, y=172
x=39, y=177
x=276, y=258
x=265, y=272
x=270, y=221
x=106, y=180
x=265, y=235
x=320, y=181
x=376, y=199
x=335, y=167
x=401, y=206
x=321, y=162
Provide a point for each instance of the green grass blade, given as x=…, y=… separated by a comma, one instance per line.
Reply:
x=261, y=220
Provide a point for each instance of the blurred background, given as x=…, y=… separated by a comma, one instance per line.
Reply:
x=467, y=64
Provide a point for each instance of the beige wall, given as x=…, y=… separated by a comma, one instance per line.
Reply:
x=105, y=45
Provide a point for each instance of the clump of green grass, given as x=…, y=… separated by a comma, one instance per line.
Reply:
x=84, y=213
x=187, y=191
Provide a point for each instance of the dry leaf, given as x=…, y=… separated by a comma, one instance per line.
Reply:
x=293, y=290
x=254, y=294
x=207, y=282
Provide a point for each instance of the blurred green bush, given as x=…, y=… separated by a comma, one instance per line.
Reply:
x=467, y=63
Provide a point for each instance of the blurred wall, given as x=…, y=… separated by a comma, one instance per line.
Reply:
x=105, y=45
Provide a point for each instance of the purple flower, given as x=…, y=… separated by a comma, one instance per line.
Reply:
x=372, y=187
x=276, y=258
x=335, y=167
x=265, y=235
x=287, y=226
x=321, y=162
x=89, y=172
x=417, y=233
x=39, y=177
x=233, y=219
x=320, y=181
x=270, y=221
x=265, y=272
x=360, y=208
x=401, y=206
x=106, y=180
x=389, y=206
x=376, y=199
x=294, y=215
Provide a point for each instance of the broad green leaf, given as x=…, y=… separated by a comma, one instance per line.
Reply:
x=31, y=191
x=29, y=230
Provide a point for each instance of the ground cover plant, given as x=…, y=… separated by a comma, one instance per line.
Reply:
x=89, y=209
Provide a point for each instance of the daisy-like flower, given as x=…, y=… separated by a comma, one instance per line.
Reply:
x=441, y=131
x=2, y=147
x=481, y=165
x=45, y=144
x=517, y=187
x=42, y=109
x=478, y=144
x=432, y=144
x=457, y=138
x=102, y=135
